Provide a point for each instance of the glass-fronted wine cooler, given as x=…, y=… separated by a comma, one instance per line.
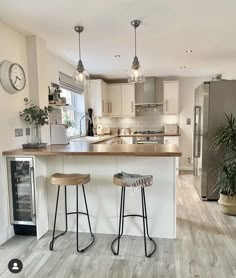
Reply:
x=22, y=194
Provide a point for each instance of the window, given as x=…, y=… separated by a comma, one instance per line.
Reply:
x=72, y=114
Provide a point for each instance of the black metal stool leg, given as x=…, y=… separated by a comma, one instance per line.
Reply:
x=121, y=223
x=77, y=221
x=55, y=219
x=145, y=225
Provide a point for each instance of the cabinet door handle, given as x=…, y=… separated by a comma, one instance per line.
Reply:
x=132, y=106
x=108, y=107
x=102, y=105
x=111, y=107
x=166, y=105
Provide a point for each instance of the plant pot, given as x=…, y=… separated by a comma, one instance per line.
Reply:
x=227, y=204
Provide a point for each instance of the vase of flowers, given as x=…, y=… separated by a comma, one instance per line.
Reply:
x=35, y=117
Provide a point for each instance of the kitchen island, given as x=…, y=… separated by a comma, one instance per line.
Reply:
x=102, y=162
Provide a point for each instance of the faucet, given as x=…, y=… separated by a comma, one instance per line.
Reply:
x=80, y=129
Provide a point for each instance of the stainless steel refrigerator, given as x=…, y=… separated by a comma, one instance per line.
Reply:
x=212, y=100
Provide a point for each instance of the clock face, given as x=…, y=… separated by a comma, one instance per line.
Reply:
x=17, y=77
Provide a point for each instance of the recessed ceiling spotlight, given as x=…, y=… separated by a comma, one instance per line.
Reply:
x=189, y=51
x=183, y=67
x=117, y=56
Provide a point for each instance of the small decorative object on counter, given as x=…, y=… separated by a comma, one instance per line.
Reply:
x=35, y=117
x=90, y=123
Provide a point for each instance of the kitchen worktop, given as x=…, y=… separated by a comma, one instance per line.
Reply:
x=86, y=149
x=150, y=135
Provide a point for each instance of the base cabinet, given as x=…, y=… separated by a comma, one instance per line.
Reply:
x=173, y=140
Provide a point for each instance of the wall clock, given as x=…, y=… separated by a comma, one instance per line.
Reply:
x=12, y=77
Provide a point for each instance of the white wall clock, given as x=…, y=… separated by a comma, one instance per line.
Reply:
x=12, y=77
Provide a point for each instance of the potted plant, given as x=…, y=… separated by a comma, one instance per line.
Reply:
x=225, y=144
x=67, y=121
x=36, y=117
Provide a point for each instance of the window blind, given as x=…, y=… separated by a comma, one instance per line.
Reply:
x=69, y=84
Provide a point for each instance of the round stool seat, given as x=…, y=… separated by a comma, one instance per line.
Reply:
x=70, y=179
x=140, y=182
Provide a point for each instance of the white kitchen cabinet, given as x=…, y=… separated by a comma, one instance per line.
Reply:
x=173, y=140
x=126, y=140
x=171, y=97
x=114, y=93
x=128, y=100
x=98, y=97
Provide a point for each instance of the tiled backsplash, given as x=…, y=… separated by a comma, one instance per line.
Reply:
x=146, y=119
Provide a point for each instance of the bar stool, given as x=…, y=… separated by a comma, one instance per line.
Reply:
x=117, y=180
x=71, y=180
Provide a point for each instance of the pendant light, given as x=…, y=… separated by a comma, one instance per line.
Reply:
x=80, y=76
x=136, y=73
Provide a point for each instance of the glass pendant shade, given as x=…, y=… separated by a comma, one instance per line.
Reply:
x=136, y=75
x=81, y=76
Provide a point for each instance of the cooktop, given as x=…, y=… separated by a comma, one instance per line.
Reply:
x=147, y=132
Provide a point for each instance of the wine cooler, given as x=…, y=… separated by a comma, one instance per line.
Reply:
x=22, y=195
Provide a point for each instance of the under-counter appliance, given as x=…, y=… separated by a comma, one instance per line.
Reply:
x=21, y=186
x=212, y=100
x=148, y=139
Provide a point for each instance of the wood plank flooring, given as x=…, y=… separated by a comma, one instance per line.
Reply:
x=205, y=247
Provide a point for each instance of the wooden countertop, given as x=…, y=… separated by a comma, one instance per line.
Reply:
x=83, y=148
x=149, y=135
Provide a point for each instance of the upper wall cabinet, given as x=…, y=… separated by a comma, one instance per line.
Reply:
x=115, y=100
x=128, y=99
x=98, y=97
x=121, y=99
x=114, y=93
x=171, y=97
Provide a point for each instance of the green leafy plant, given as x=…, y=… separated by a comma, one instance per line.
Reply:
x=225, y=142
x=33, y=114
x=67, y=121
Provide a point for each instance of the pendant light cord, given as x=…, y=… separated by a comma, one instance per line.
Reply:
x=79, y=48
x=135, y=41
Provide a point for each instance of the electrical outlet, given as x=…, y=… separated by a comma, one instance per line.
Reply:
x=189, y=160
x=18, y=132
x=27, y=131
x=188, y=121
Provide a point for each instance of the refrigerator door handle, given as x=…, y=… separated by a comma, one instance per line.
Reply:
x=196, y=132
x=33, y=208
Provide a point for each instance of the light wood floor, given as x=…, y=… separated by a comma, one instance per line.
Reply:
x=205, y=247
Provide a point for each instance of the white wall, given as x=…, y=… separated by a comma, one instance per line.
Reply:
x=230, y=73
x=15, y=49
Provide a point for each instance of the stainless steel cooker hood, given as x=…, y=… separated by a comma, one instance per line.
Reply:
x=145, y=93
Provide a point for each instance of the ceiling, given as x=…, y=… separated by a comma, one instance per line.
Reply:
x=168, y=29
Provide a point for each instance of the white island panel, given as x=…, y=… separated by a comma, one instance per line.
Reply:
x=104, y=198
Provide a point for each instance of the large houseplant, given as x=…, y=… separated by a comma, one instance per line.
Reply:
x=225, y=143
x=36, y=117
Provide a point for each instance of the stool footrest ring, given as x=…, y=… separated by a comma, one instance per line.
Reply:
x=77, y=212
x=145, y=224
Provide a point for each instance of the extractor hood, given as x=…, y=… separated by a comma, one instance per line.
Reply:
x=145, y=93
